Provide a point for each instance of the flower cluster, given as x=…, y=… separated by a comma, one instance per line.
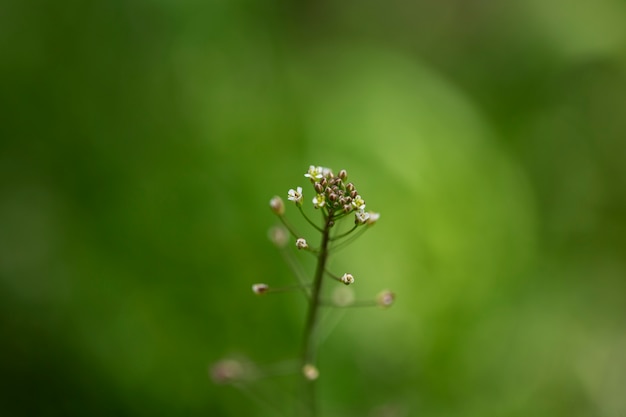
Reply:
x=334, y=194
x=337, y=202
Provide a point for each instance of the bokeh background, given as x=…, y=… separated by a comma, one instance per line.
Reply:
x=141, y=141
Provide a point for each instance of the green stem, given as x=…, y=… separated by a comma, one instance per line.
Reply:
x=308, y=353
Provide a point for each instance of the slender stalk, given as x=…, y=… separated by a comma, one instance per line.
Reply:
x=308, y=348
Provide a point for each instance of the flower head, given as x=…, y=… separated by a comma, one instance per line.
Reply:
x=295, y=196
x=358, y=203
x=361, y=217
x=347, y=279
x=260, y=288
x=315, y=173
x=319, y=201
x=301, y=243
x=310, y=372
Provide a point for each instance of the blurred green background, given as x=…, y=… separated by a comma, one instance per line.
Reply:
x=142, y=140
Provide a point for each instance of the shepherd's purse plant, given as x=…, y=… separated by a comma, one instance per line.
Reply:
x=343, y=219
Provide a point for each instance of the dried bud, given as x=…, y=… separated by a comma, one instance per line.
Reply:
x=310, y=372
x=259, y=289
x=347, y=279
x=385, y=298
x=277, y=205
x=301, y=243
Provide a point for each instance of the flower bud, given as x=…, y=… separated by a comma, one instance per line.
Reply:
x=301, y=243
x=347, y=279
x=277, y=205
x=343, y=174
x=318, y=187
x=310, y=372
x=260, y=288
x=385, y=298
x=279, y=236
x=227, y=371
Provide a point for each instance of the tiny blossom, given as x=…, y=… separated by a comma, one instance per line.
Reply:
x=260, y=288
x=373, y=218
x=358, y=203
x=361, y=217
x=295, y=196
x=277, y=205
x=315, y=173
x=385, y=298
x=301, y=243
x=319, y=201
x=347, y=279
x=310, y=372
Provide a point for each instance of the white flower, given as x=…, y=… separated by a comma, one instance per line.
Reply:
x=373, y=218
x=315, y=173
x=295, y=196
x=347, y=279
x=319, y=201
x=358, y=203
x=301, y=243
x=361, y=217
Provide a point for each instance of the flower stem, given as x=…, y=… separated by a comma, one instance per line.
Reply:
x=308, y=348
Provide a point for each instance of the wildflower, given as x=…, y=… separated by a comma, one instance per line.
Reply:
x=310, y=372
x=319, y=201
x=315, y=173
x=347, y=279
x=277, y=205
x=301, y=243
x=295, y=196
x=260, y=288
x=361, y=217
x=358, y=203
